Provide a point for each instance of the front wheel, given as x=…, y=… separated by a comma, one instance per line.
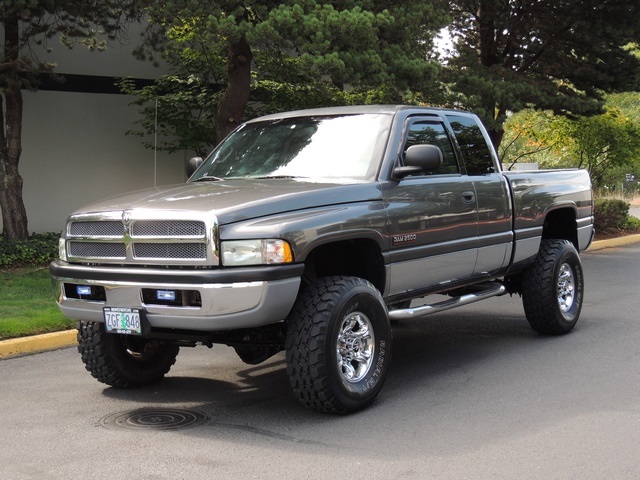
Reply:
x=553, y=288
x=338, y=345
x=123, y=361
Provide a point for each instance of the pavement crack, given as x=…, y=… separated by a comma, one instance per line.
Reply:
x=271, y=434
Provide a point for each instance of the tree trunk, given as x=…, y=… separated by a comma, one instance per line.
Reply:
x=496, y=134
x=14, y=214
x=236, y=96
x=487, y=30
x=489, y=57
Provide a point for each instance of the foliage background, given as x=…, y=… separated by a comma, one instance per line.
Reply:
x=607, y=144
x=231, y=60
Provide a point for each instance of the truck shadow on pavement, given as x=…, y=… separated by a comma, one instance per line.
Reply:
x=442, y=349
x=249, y=386
x=482, y=366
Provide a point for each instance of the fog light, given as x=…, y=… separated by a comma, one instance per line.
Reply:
x=166, y=295
x=83, y=290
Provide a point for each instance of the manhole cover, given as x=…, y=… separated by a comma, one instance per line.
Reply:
x=154, y=419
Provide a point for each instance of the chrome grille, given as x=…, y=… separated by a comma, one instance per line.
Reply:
x=191, y=251
x=96, y=229
x=119, y=237
x=163, y=228
x=97, y=250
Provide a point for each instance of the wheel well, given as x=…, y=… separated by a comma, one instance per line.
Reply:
x=561, y=224
x=358, y=258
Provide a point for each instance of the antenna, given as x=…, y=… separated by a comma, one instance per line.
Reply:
x=155, y=148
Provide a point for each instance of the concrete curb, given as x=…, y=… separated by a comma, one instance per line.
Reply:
x=614, y=242
x=53, y=341
x=37, y=343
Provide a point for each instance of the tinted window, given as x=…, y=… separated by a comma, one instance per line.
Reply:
x=476, y=153
x=432, y=133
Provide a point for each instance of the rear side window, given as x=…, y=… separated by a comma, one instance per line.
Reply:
x=476, y=153
x=433, y=133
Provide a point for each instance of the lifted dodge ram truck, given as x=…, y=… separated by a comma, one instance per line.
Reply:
x=311, y=232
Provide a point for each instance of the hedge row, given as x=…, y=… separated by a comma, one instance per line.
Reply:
x=612, y=216
x=37, y=250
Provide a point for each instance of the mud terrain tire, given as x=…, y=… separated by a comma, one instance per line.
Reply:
x=338, y=345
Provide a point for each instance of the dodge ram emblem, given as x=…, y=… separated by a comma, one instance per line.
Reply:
x=126, y=218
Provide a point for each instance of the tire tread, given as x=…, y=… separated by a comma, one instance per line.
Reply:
x=305, y=344
x=98, y=360
x=538, y=289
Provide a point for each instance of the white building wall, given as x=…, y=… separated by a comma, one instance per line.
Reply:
x=74, y=146
x=75, y=151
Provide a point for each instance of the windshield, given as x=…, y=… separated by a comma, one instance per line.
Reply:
x=310, y=147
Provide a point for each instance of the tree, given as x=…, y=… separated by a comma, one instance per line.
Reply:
x=607, y=145
x=557, y=55
x=28, y=27
x=530, y=138
x=602, y=143
x=291, y=54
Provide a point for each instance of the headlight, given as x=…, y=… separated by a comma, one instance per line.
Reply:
x=255, y=252
x=62, y=249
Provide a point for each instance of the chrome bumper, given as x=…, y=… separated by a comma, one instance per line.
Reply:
x=230, y=299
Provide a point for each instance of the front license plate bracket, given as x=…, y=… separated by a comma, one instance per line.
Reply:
x=125, y=321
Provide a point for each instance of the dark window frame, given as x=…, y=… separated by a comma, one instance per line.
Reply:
x=450, y=158
x=477, y=156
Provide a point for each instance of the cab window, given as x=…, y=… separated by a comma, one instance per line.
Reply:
x=433, y=133
x=475, y=152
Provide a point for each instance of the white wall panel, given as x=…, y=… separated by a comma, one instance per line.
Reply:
x=75, y=151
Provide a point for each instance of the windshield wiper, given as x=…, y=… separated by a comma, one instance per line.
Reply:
x=208, y=178
x=269, y=177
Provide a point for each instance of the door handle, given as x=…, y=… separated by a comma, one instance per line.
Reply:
x=468, y=197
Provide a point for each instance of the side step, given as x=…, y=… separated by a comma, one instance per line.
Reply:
x=486, y=290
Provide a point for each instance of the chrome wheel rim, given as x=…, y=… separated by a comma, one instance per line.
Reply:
x=355, y=347
x=566, y=288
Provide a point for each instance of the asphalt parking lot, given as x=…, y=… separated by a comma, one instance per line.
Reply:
x=472, y=393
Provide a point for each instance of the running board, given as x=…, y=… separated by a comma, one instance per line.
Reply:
x=487, y=290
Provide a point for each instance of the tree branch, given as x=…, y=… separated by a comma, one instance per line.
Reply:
x=526, y=154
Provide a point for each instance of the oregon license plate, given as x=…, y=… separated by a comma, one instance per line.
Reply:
x=123, y=320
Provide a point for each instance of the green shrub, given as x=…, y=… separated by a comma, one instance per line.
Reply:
x=37, y=250
x=610, y=215
x=632, y=224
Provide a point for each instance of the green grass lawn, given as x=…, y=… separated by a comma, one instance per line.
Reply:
x=27, y=304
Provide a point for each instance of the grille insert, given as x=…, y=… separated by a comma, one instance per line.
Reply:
x=97, y=229
x=97, y=250
x=194, y=251
x=162, y=228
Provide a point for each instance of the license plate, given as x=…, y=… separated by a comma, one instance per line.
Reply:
x=123, y=320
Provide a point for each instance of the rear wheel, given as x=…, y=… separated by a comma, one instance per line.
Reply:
x=124, y=361
x=338, y=345
x=553, y=288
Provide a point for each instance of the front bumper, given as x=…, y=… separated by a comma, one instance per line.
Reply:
x=230, y=298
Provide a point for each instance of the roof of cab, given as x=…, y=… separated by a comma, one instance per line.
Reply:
x=351, y=110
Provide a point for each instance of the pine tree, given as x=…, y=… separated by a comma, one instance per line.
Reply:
x=560, y=55
x=291, y=54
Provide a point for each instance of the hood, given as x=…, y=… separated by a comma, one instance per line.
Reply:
x=236, y=200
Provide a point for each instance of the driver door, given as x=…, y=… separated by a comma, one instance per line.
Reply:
x=433, y=218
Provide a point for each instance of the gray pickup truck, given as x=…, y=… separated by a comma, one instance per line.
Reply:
x=312, y=232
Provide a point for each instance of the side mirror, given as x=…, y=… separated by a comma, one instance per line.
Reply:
x=192, y=165
x=419, y=159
